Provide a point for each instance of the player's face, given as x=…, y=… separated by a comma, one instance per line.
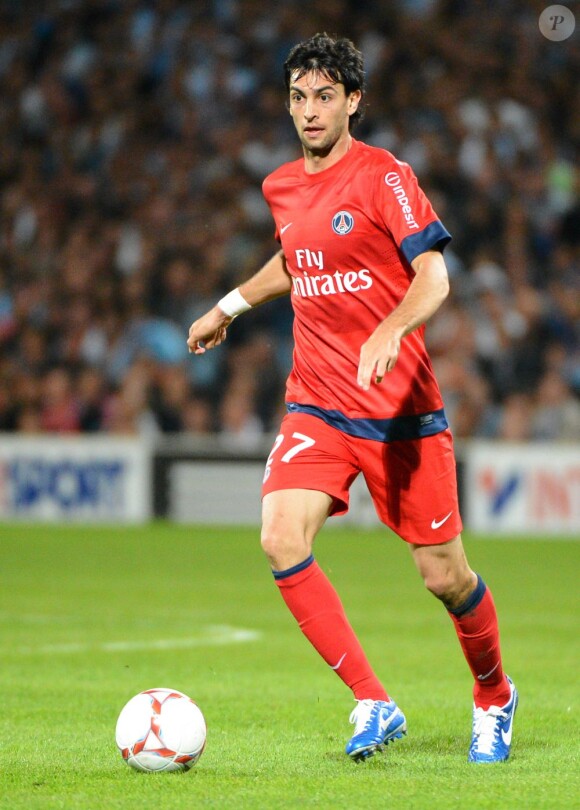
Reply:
x=321, y=110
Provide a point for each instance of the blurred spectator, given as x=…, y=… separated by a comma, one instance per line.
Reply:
x=198, y=416
x=557, y=412
x=170, y=395
x=515, y=418
x=134, y=138
x=59, y=412
x=127, y=410
x=91, y=392
x=240, y=426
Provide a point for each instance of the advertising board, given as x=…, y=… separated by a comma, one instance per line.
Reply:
x=74, y=479
x=523, y=488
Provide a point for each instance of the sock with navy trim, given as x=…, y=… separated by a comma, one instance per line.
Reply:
x=314, y=603
x=478, y=633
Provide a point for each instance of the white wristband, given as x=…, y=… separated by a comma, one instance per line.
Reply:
x=233, y=304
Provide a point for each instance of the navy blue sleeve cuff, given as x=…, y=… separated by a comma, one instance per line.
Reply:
x=434, y=237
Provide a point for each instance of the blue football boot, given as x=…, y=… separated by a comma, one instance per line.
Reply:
x=376, y=723
x=492, y=730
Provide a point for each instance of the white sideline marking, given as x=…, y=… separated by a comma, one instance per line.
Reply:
x=211, y=636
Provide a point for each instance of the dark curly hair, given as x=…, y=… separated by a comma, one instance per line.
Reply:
x=338, y=59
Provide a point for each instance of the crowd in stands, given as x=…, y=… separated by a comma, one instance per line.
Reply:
x=134, y=138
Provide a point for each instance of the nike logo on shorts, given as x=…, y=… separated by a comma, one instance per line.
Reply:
x=436, y=524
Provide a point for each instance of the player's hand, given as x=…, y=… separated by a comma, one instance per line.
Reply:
x=378, y=355
x=208, y=331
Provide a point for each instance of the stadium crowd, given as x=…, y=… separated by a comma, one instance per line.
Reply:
x=134, y=137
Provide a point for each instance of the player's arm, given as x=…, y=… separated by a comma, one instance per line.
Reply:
x=425, y=295
x=271, y=281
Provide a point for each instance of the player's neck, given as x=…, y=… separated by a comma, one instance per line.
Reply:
x=315, y=161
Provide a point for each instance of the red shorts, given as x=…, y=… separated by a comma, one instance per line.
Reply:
x=412, y=483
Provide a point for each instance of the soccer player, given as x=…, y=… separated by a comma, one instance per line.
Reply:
x=361, y=257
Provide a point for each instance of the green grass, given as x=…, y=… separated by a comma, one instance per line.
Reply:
x=277, y=717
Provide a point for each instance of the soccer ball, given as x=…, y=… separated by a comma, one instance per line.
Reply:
x=161, y=730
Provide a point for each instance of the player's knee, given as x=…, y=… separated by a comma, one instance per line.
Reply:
x=449, y=588
x=436, y=584
x=271, y=542
x=284, y=545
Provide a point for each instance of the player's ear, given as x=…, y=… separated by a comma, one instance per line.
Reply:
x=353, y=101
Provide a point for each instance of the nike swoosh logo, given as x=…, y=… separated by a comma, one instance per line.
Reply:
x=384, y=722
x=339, y=663
x=507, y=735
x=487, y=674
x=436, y=524
x=285, y=228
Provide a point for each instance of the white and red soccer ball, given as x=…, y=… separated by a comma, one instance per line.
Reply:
x=161, y=730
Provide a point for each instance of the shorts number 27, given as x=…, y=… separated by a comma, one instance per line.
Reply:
x=302, y=443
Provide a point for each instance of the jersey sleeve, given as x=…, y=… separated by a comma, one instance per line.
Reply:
x=407, y=213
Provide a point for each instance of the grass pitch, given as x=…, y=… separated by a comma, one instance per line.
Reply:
x=91, y=616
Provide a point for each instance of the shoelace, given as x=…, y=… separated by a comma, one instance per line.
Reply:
x=486, y=728
x=361, y=715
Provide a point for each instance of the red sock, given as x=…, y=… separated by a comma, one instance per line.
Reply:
x=477, y=629
x=318, y=610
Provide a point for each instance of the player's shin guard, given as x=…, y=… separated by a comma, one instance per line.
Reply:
x=477, y=629
x=318, y=610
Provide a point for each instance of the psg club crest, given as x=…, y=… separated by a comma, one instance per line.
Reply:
x=342, y=223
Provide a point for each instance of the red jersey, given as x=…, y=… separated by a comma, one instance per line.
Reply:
x=349, y=234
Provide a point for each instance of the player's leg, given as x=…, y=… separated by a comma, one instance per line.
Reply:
x=414, y=488
x=291, y=520
x=447, y=576
x=470, y=605
x=292, y=516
